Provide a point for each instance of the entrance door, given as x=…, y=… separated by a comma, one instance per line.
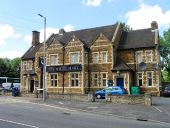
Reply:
x=32, y=86
x=120, y=82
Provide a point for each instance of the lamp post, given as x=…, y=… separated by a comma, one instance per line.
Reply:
x=44, y=69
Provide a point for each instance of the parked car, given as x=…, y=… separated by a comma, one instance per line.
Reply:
x=166, y=91
x=114, y=90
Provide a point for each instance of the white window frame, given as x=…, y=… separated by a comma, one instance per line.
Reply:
x=103, y=56
x=102, y=78
x=56, y=59
x=52, y=81
x=74, y=79
x=148, y=78
x=95, y=60
x=141, y=78
x=139, y=59
x=73, y=61
x=95, y=81
x=150, y=56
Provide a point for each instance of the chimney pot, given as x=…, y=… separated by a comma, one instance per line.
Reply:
x=61, y=32
x=154, y=25
x=35, y=38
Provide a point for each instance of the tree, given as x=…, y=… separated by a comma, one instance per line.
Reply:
x=165, y=54
x=125, y=27
x=10, y=68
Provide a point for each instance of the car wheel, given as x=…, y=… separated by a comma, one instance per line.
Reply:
x=98, y=96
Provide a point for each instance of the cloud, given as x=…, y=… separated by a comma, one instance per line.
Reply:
x=49, y=31
x=145, y=14
x=10, y=54
x=94, y=3
x=7, y=31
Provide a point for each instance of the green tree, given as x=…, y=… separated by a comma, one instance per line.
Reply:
x=165, y=54
x=10, y=68
x=125, y=27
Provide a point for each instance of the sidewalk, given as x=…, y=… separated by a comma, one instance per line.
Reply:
x=137, y=112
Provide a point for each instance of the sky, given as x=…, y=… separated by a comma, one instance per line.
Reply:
x=18, y=18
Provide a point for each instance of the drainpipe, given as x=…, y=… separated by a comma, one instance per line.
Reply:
x=63, y=52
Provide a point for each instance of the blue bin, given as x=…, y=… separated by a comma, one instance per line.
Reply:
x=15, y=91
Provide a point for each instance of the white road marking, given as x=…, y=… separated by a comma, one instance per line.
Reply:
x=157, y=108
x=60, y=103
x=92, y=107
x=27, y=125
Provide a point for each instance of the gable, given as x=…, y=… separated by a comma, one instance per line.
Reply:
x=74, y=42
x=101, y=40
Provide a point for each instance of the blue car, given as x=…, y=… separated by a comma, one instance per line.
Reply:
x=114, y=90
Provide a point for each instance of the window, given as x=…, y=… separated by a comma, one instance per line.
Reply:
x=104, y=57
x=148, y=55
x=53, y=59
x=103, y=79
x=74, y=58
x=139, y=57
x=53, y=79
x=140, y=75
x=95, y=57
x=27, y=65
x=74, y=79
x=149, y=78
x=95, y=79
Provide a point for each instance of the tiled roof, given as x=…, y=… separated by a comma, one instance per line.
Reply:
x=133, y=39
x=30, y=54
x=88, y=36
x=142, y=38
x=120, y=65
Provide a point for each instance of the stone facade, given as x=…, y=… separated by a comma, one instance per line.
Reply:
x=76, y=65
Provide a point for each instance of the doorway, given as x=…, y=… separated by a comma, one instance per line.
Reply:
x=32, y=86
x=120, y=82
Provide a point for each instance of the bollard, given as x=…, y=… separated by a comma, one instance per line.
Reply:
x=93, y=97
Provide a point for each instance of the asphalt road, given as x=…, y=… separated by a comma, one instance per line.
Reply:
x=19, y=114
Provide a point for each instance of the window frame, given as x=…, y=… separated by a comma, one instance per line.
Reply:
x=137, y=57
x=53, y=80
x=56, y=58
x=78, y=59
x=150, y=56
x=150, y=78
x=95, y=80
x=74, y=79
x=102, y=56
x=97, y=58
x=102, y=78
x=141, y=78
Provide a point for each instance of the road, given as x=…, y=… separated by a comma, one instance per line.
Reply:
x=21, y=114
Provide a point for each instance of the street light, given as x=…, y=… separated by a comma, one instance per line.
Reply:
x=44, y=69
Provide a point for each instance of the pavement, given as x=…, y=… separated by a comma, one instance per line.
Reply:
x=158, y=112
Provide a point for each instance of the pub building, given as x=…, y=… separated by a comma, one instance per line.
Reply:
x=86, y=60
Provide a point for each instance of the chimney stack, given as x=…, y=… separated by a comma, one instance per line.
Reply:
x=154, y=25
x=35, y=38
x=61, y=32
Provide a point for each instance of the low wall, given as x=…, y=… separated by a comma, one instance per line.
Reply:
x=144, y=99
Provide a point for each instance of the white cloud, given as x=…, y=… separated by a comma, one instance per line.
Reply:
x=7, y=31
x=49, y=31
x=145, y=14
x=94, y=3
x=10, y=54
